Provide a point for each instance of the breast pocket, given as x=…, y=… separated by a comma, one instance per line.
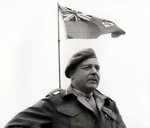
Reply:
x=77, y=117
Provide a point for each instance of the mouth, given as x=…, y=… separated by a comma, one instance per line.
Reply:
x=93, y=80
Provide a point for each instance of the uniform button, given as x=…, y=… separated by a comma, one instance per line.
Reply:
x=106, y=115
x=93, y=121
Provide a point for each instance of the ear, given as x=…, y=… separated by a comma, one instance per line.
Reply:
x=71, y=75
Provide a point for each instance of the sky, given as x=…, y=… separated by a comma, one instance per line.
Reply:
x=29, y=54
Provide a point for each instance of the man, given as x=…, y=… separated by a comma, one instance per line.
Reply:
x=79, y=106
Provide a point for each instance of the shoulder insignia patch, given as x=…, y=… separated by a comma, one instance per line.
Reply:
x=54, y=92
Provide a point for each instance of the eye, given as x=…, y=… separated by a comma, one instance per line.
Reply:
x=86, y=67
x=97, y=68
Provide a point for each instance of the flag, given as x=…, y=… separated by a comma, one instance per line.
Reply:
x=81, y=26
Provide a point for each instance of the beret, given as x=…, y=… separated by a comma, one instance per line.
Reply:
x=77, y=58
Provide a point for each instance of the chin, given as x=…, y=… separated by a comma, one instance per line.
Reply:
x=92, y=86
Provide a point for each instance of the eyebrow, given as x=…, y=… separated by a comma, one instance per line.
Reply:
x=90, y=65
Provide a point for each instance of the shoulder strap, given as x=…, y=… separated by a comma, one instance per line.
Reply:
x=54, y=92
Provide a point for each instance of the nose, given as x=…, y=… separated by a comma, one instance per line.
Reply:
x=94, y=70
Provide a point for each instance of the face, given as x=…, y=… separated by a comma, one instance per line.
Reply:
x=86, y=76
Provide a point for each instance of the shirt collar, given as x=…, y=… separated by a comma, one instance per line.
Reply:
x=76, y=92
x=80, y=93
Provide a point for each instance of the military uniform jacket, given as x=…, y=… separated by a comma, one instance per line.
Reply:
x=65, y=110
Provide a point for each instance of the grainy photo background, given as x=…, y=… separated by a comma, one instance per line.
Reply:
x=29, y=54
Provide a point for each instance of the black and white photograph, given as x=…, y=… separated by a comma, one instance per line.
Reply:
x=74, y=64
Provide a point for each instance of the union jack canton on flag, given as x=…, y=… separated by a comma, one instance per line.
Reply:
x=81, y=26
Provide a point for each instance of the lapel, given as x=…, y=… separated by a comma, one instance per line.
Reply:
x=99, y=99
x=84, y=102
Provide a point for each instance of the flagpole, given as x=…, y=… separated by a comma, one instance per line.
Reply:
x=59, y=47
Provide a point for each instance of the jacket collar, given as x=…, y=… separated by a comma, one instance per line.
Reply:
x=100, y=99
x=96, y=93
x=77, y=92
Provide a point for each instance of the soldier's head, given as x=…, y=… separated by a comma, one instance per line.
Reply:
x=83, y=70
